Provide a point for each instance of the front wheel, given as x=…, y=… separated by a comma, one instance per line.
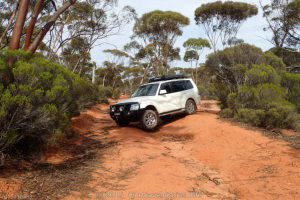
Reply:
x=149, y=120
x=190, y=107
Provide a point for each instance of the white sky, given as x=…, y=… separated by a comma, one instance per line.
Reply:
x=251, y=31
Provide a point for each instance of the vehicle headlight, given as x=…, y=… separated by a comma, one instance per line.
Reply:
x=113, y=109
x=134, y=107
x=121, y=108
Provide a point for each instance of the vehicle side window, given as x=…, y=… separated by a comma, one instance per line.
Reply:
x=166, y=86
x=188, y=85
x=178, y=86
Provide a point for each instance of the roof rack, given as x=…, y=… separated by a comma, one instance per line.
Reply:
x=167, y=77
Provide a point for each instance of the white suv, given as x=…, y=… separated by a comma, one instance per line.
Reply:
x=162, y=96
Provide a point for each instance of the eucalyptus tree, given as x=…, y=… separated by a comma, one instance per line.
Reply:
x=283, y=18
x=196, y=45
x=93, y=20
x=20, y=25
x=191, y=56
x=159, y=31
x=222, y=20
x=76, y=58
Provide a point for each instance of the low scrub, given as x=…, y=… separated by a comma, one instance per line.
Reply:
x=40, y=100
x=256, y=88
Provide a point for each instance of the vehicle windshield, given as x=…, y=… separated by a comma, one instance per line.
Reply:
x=146, y=90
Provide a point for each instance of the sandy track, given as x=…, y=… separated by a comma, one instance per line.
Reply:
x=196, y=157
x=193, y=157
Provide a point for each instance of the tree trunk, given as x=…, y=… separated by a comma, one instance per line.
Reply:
x=93, y=74
x=17, y=32
x=37, y=10
x=103, y=81
x=33, y=47
x=196, y=80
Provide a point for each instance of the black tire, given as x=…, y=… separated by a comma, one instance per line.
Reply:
x=190, y=107
x=122, y=122
x=150, y=120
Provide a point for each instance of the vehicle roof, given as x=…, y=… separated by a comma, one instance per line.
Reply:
x=164, y=81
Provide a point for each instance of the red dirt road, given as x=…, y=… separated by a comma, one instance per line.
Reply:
x=193, y=157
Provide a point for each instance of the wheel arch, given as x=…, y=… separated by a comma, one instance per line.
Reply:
x=151, y=107
x=191, y=98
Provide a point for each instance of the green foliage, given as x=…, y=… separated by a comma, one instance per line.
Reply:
x=116, y=94
x=159, y=31
x=229, y=69
x=261, y=100
x=196, y=43
x=292, y=83
x=290, y=57
x=222, y=20
x=254, y=87
x=250, y=116
x=235, y=11
x=283, y=21
x=260, y=74
x=227, y=113
x=41, y=99
x=191, y=55
x=105, y=92
x=154, y=22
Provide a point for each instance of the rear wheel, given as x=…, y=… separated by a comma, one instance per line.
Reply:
x=122, y=122
x=149, y=120
x=190, y=107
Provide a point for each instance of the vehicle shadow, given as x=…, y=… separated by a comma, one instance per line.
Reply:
x=165, y=120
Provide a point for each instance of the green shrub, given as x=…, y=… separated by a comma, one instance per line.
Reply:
x=293, y=120
x=41, y=100
x=260, y=74
x=227, y=113
x=105, y=92
x=250, y=116
x=231, y=100
x=278, y=115
x=292, y=83
x=116, y=93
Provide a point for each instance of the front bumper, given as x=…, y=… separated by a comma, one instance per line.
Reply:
x=126, y=114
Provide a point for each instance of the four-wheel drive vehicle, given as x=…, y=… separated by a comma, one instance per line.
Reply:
x=162, y=96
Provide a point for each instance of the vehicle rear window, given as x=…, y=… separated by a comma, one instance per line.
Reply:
x=188, y=85
x=178, y=86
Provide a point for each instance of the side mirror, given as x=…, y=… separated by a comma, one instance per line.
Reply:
x=161, y=92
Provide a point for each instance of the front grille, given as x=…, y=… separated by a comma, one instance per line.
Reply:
x=125, y=106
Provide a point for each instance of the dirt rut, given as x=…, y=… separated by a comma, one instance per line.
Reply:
x=190, y=157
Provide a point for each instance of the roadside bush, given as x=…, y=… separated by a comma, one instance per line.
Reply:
x=116, y=93
x=250, y=116
x=105, y=92
x=228, y=69
x=292, y=83
x=227, y=113
x=41, y=99
x=260, y=74
x=277, y=115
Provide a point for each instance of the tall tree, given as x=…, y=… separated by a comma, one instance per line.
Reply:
x=222, y=20
x=160, y=29
x=41, y=32
x=283, y=18
x=191, y=56
x=19, y=25
x=197, y=45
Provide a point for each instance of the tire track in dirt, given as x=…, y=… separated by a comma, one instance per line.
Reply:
x=193, y=157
